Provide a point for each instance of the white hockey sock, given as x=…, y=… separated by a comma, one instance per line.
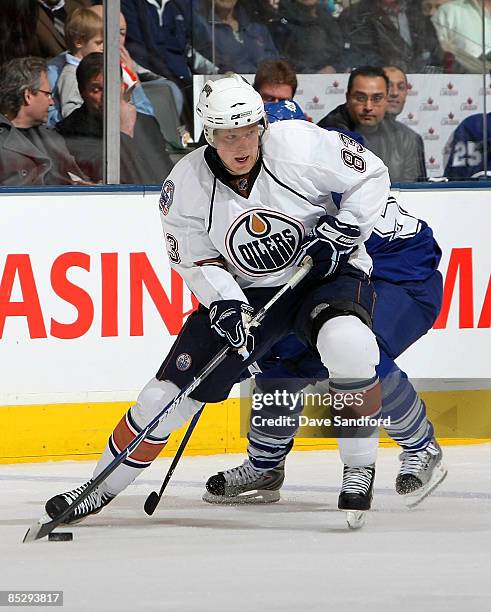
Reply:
x=359, y=452
x=151, y=400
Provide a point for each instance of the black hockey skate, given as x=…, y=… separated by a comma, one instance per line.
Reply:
x=356, y=494
x=420, y=473
x=92, y=504
x=245, y=485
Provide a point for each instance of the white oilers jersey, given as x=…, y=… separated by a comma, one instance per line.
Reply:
x=221, y=242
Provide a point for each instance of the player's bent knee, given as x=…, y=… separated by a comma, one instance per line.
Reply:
x=154, y=396
x=348, y=348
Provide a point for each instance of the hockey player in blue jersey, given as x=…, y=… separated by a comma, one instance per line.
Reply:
x=466, y=149
x=409, y=291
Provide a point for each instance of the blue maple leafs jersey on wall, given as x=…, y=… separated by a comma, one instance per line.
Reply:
x=465, y=151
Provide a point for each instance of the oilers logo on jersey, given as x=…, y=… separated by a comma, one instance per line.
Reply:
x=263, y=241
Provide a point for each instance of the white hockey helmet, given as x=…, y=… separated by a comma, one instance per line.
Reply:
x=229, y=103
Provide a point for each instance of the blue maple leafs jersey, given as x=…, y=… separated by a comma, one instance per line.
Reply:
x=402, y=247
x=465, y=150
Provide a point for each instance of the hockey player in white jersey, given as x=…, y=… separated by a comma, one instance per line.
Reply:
x=238, y=217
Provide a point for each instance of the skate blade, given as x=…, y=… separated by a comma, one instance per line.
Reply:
x=416, y=497
x=355, y=518
x=250, y=497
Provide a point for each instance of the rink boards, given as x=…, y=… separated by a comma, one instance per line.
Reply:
x=89, y=308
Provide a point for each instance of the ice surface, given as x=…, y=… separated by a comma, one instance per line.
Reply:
x=296, y=554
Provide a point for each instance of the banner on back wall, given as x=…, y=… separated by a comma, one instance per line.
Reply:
x=435, y=105
x=89, y=306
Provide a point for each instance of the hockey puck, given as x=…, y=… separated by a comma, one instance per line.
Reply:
x=60, y=536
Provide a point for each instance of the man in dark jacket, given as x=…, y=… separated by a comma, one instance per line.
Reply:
x=30, y=154
x=382, y=32
x=149, y=43
x=309, y=37
x=400, y=148
x=144, y=159
x=224, y=33
x=50, y=36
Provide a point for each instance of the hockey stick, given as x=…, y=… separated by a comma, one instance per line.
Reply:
x=154, y=498
x=46, y=524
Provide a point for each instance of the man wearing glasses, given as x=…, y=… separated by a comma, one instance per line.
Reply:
x=364, y=112
x=30, y=154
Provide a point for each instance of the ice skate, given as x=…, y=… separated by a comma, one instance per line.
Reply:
x=420, y=473
x=245, y=485
x=92, y=504
x=356, y=494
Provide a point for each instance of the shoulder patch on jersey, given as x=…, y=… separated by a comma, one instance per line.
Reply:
x=166, y=196
x=263, y=241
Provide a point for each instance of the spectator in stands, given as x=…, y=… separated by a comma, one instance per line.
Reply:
x=30, y=154
x=148, y=42
x=263, y=11
x=398, y=90
x=459, y=25
x=138, y=96
x=70, y=61
x=160, y=46
x=18, y=22
x=144, y=158
x=275, y=80
x=229, y=38
x=381, y=32
x=465, y=150
x=430, y=7
x=84, y=34
x=398, y=146
x=178, y=36
x=50, y=37
x=309, y=37
x=143, y=74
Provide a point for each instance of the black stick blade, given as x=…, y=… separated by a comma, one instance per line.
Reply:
x=151, y=503
x=40, y=528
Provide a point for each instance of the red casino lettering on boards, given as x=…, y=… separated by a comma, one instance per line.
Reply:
x=143, y=279
x=458, y=292
x=460, y=274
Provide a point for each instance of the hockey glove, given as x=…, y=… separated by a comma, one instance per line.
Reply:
x=329, y=243
x=229, y=318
